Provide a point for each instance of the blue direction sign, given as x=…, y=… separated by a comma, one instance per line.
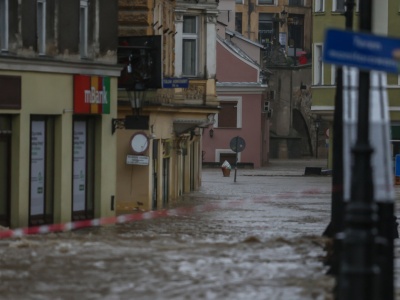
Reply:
x=362, y=50
x=170, y=83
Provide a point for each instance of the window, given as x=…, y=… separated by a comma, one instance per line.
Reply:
x=296, y=2
x=265, y=29
x=83, y=168
x=83, y=28
x=238, y=22
x=319, y=5
x=230, y=115
x=41, y=171
x=41, y=26
x=190, y=45
x=3, y=25
x=338, y=5
x=266, y=2
x=239, y=1
x=318, y=65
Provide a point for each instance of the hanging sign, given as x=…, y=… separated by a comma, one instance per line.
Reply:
x=91, y=94
x=362, y=50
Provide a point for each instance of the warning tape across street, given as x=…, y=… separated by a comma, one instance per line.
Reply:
x=138, y=216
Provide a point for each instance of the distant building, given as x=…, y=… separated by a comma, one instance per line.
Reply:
x=166, y=96
x=330, y=13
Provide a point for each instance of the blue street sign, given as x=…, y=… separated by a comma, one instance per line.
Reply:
x=362, y=50
x=170, y=83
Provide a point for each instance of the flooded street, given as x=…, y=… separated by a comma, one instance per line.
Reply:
x=261, y=240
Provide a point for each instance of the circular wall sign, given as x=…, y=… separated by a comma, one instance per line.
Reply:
x=237, y=144
x=139, y=142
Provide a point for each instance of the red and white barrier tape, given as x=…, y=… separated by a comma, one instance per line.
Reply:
x=13, y=233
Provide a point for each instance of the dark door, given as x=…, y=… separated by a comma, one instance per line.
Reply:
x=5, y=170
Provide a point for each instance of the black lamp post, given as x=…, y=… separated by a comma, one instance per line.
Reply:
x=359, y=272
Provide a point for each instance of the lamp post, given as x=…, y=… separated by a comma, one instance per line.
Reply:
x=359, y=271
x=317, y=123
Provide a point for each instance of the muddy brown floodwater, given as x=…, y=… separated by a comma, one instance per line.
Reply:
x=263, y=242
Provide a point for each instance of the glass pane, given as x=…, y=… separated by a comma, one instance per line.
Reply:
x=3, y=24
x=271, y=2
x=189, y=57
x=189, y=24
x=340, y=5
x=40, y=26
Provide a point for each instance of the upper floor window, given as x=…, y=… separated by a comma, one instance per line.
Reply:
x=239, y=1
x=41, y=26
x=266, y=2
x=190, y=42
x=296, y=2
x=3, y=25
x=319, y=5
x=338, y=5
x=238, y=22
x=318, y=65
x=230, y=115
x=83, y=28
x=266, y=32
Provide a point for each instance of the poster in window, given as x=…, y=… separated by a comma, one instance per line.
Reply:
x=37, y=167
x=79, y=180
x=282, y=39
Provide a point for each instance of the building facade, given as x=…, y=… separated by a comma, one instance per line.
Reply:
x=173, y=101
x=58, y=76
x=329, y=14
x=240, y=90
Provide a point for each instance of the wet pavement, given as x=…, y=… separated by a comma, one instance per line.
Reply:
x=262, y=240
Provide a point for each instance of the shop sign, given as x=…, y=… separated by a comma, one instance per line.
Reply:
x=137, y=160
x=91, y=94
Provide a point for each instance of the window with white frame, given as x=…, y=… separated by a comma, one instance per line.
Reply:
x=3, y=25
x=230, y=115
x=190, y=41
x=41, y=26
x=319, y=5
x=83, y=28
x=318, y=65
x=338, y=5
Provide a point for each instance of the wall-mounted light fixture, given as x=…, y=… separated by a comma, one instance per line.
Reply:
x=211, y=133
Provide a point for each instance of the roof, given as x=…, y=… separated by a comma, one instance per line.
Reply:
x=242, y=37
x=238, y=51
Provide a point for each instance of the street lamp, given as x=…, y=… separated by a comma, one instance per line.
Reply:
x=317, y=123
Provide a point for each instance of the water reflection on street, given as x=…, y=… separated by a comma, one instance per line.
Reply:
x=266, y=246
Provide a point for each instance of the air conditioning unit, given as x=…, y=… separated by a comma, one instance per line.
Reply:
x=267, y=106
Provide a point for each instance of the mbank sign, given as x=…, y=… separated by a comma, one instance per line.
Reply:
x=362, y=50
